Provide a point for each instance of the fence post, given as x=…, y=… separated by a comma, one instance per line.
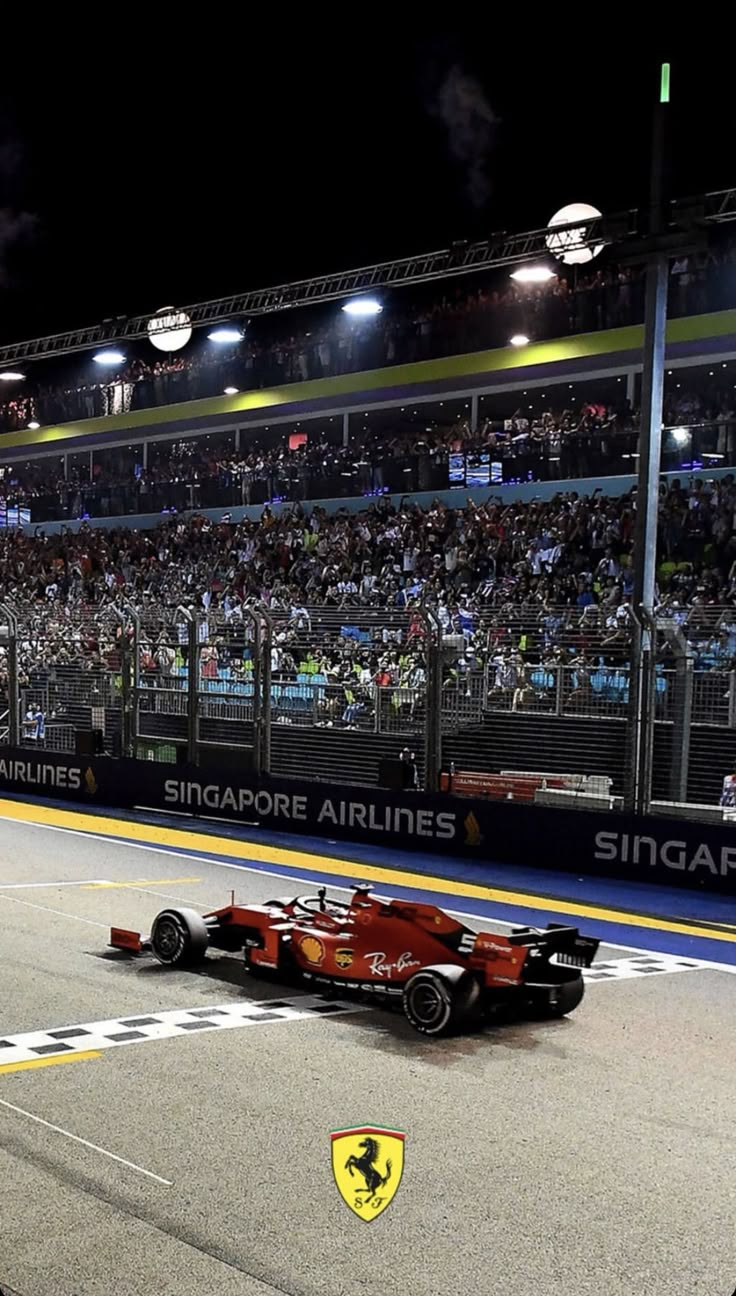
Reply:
x=255, y=623
x=433, y=701
x=640, y=719
x=262, y=690
x=193, y=694
x=682, y=704
x=13, y=695
x=192, y=683
x=128, y=690
x=681, y=727
x=126, y=739
x=559, y=683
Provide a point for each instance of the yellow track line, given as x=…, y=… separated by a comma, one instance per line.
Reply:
x=34, y=1063
x=308, y=862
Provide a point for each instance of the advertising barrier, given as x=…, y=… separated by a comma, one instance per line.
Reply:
x=593, y=843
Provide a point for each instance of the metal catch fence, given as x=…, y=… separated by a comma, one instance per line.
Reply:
x=336, y=693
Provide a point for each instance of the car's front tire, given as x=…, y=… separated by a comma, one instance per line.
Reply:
x=438, y=1001
x=179, y=937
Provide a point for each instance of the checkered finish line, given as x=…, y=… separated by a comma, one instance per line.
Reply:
x=93, y=1036
x=166, y=1025
x=641, y=965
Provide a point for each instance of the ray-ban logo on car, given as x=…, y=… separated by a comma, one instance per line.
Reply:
x=379, y=967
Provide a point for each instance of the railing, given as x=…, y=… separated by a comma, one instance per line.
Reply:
x=573, y=455
x=420, y=333
x=337, y=692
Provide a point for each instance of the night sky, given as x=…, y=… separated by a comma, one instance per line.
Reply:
x=134, y=175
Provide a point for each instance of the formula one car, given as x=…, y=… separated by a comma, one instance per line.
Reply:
x=446, y=975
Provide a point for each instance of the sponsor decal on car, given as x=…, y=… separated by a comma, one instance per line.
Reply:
x=490, y=947
x=343, y=958
x=312, y=949
x=367, y=1163
x=380, y=967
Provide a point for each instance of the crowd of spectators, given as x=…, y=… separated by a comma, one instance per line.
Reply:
x=465, y=318
x=571, y=552
x=520, y=590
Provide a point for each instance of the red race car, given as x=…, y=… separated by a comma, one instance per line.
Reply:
x=446, y=975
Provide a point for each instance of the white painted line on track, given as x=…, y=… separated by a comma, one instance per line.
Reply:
x=60, y=912
x=94, y=1147
x=30, y=886
x=309, y=881
x=165, y=895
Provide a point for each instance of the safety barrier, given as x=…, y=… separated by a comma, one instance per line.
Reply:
x=639, y=849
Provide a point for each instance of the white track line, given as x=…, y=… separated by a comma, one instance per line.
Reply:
x=57, y=1129
x=309, y=881
x=29, y=886
x=165, y=895
x=61, y=912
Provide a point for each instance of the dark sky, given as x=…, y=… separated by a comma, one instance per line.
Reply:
x=136, y=174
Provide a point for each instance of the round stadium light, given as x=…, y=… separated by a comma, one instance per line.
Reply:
x=519, y=340
x=231, y=391
x=567, y=246
x=532, y=274
x=225, y=333
x=33, y=425
x=111, y=357
x=169, y=329
x=680, y=435
x=11, y=375
x=362, y=307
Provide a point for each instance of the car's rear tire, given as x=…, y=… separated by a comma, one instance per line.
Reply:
x=556, y=1000
x=179, y=937
x=438, y=1001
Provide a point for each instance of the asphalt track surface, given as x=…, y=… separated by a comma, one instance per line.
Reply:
x=590, y=1155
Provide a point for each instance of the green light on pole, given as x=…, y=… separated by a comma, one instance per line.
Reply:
x=664, y=92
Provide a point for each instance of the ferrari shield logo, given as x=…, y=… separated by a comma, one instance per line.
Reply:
x=367, y=1164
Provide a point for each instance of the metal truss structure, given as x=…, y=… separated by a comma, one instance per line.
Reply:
x=461, y=258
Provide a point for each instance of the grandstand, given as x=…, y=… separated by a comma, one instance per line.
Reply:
x=335, y=542
x=425, y=396
x=339, y=636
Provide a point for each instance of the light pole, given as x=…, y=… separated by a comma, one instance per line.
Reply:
x=640, y=729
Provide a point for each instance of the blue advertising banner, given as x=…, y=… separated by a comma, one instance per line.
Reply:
x=672, y=851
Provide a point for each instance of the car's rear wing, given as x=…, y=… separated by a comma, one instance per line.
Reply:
x=565, y=943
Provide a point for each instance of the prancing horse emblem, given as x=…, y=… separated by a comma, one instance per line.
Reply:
x=364, y=1154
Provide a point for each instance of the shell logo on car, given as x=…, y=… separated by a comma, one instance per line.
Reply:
x=312, y=949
